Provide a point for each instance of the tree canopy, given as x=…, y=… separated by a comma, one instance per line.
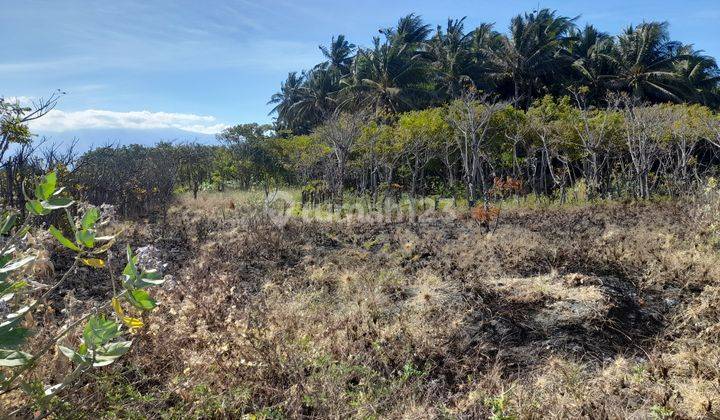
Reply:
x=411, y=66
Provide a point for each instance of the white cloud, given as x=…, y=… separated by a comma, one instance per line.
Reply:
x=59, y=121
x=20, y=100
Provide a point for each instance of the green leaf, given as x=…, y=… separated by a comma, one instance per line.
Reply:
x=57, y=203
x=72, y=355
x=22, y=232
x=92, y=215
x=8, y=253
x=85, y=237
x=151, y=275
x=130, y=271
x=35, y=207
x=100, y=330
x=46, y=187
x=71, y=221
x=62, y=239
x=141, y=299
x=7, y=289
x=8, y=223
x=12, y=336
x=151, y=278
x=17, y=264
x=20, y=312
x=111, y=352
x=13, y=358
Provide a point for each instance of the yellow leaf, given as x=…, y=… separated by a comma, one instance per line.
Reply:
x=133, y=324
x=117, y=308
x=93, y=262
x=110, y=242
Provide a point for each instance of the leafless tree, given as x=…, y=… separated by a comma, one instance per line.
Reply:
x=14, y=118
x=471, y=117
x=60, y=155
x=643, y=132
x=341, y=131
x=593, y=132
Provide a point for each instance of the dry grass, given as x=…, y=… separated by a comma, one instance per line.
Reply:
x=609, y=311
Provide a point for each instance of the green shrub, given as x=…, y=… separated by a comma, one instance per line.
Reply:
x=104, y=330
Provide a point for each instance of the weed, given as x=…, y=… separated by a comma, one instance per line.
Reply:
x=499, y=407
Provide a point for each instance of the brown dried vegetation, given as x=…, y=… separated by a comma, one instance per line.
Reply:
x=591, y=312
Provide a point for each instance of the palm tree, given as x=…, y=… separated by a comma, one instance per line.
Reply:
x=535, y=51
x=644, y=58
x=451, y=57
x=485, y=42
x=410, y=29
x=305, y=100
x=591, y=67
x=339, y=55
x=284, y=100
x=542, y=53
x=315, y=99
x=387, y=78
x=700, y=73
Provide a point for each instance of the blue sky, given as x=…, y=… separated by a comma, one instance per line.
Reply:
x=200, y=65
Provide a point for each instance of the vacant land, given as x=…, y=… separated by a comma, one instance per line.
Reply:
x=589, y=311
x=463, y=220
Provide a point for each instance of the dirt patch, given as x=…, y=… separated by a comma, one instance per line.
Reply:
x=575, y=314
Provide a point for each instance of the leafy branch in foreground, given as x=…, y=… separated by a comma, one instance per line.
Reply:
x=105, y=328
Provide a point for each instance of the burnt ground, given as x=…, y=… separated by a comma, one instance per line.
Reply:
x=437, y=317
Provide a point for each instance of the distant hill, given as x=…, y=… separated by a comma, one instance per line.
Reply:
x=97, y=137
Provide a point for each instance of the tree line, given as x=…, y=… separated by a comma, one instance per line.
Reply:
x=477, y=147
x=412, y=66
